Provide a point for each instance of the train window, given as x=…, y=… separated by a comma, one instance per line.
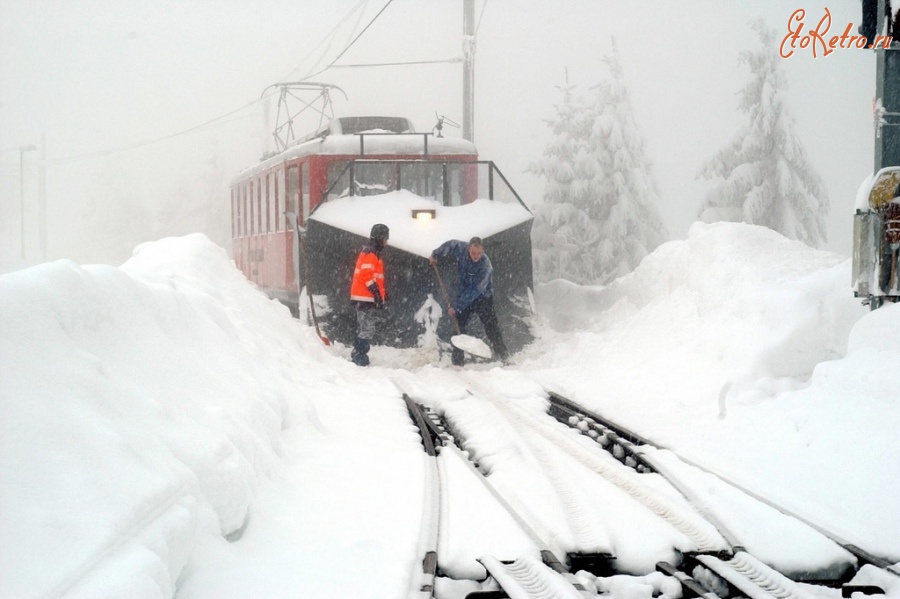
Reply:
x=246, y=226
x=359, y=124
x=264, y=205
x=338, y=179
x=272, y=201
x=279, y=184
x=260, y=212
x=423, y=179
x=260, y=205
x=254, y=207
x=240, y=200
x=456, y=183
x=239, y=211
x=293, y=186
x=373, y=178
x=304, y=176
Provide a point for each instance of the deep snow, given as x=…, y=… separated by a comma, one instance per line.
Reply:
x=150, y=413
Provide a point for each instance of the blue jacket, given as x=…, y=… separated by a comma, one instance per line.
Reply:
x=474, y=279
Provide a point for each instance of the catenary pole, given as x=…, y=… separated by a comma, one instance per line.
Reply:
x=469, y=70
x=42, y=198
x=22, y=151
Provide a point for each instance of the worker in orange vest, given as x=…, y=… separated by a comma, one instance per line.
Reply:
x=367, y=292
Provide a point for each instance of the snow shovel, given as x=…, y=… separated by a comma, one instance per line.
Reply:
x=466, y=343
x=301, y=250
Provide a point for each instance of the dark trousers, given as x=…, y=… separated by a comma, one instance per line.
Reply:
x=483, y=307
x=367, y=320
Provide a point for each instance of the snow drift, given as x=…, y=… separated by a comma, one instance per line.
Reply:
x=146, y=410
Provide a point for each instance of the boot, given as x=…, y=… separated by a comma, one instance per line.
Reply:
x=360, y=353
x=458, y=357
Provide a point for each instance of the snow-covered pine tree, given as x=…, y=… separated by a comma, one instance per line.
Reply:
x=599, y=217
x=618, y=176
x=766, y=178
x=557, y=221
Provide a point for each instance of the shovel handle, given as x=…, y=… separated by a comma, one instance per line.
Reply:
x=446, y=298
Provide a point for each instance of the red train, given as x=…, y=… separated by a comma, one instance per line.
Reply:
x=354, y=172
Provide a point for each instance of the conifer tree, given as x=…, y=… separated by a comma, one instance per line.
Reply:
x=599, y=215
x=618, y=174
x=557, y=221
x=764, y=175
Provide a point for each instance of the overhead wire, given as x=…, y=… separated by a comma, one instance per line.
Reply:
x=350, y=45
x=394, y=64
x=232, y=112
x=148, y=142
x=480, y=16
x=328, y=38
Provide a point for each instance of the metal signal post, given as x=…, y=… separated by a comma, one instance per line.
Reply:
x=887, y=84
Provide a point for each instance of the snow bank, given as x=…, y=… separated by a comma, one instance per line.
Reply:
x=784, y=304
x=481, y=218
x=136, y=446
x=733, y=336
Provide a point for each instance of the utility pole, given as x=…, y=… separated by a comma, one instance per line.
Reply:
x=42, y=198
x=22, y=150
x=469, y=70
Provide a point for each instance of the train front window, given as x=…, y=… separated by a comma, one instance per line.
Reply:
x=374, y=178
x=362, y=124
x=445, y=182
x=338, y=179
x=369, y=178
x=423, y=179
x=456, y=184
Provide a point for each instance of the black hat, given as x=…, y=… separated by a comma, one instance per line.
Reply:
x=380, y=232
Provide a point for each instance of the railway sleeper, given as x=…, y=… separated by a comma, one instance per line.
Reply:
x=528, y=577
x=741, y=575
x=866, y=589
x=598, y=564
x=618, y=446
x=690, y=587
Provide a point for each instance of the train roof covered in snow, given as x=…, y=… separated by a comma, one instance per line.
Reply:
x=368, y=136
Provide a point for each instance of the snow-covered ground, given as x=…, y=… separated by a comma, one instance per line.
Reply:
x=164, y=427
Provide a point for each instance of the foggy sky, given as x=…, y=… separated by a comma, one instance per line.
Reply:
x=97, y=77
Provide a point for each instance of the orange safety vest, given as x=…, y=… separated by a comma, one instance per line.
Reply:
x=369, y=269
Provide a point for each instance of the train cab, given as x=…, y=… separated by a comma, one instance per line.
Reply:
x=355, y=172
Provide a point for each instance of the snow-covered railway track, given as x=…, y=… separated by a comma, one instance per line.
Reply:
x=737, y=570
x=572, y=451
x=422, y=579
x=524, y=578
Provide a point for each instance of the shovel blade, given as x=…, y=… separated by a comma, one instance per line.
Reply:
x=471, y=345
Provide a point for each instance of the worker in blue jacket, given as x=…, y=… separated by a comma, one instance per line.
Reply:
x=474, y=292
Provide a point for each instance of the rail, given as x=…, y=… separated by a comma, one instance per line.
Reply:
x=625, y=445
x=719, y=567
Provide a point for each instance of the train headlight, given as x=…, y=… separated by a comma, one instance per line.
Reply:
x=423, y=216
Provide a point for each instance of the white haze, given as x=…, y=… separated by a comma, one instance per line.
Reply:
x=95, y=79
